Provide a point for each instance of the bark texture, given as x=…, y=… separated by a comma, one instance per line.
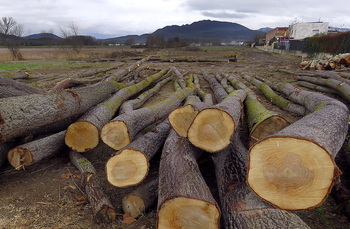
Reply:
x=10, y=88
x=184, y=199
x=103, y=210
x=316, y=87
x=219, y=92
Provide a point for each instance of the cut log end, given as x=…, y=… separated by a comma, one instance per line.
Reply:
x=20, y=157
x=106, y=215
x=127, y=168
x=267, y=128
x=182, y=118
x=211, y=130
x=291, y=173
x=187, y=213
x=82, y=136
x=134, y=205
x=115, y=134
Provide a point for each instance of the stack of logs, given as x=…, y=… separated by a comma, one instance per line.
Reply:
x=288, y=166
x=327, y=63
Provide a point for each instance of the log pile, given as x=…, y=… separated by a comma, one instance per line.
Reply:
x=327, y=63
x=288, y=166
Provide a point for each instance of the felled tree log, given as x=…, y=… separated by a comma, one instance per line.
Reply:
x=129, y=166
x=219, y=92
x=10, y=88
x=342, y=88
x=295, y=169
x=141, y=199
x=184, y=199
x=121, y=131
x=83, y=135
x=180, y=78
x=71, y=82
x=240, y=207
x=117, y=76
x=274, y=98
x=316, y=87
x=23, y=114
x=103, y=210
x=132, y=105
x=261, y=121
x=205, y=97
x=34, y=151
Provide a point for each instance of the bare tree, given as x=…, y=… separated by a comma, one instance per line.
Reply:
x=72, y=38
x=10, y=35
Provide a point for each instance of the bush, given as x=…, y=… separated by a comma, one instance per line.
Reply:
x=331, y=43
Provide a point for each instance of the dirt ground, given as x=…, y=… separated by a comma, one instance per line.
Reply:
x=42, y=196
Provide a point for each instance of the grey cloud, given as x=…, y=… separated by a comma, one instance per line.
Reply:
x=224, y=14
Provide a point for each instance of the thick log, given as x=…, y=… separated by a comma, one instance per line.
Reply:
x=130, y=165
x=103, y=210
x=121, y=131
x=212, y=128
x=219, y=92
x=10, y=88
x=134, y=104
x=23, y=114
x=184, y=199
x=240, y=207
x=83, y=135
x=275, y=98
x=34, y=151
x=295, y=169
x=141, y=199
x=261, y=121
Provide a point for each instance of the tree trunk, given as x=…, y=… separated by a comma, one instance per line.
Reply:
x=261, y=121
x=240, y=207
x=130, y=165
x=23, y=114
x=121, y=131
x=11, y=88
x=317, y=87
x=83, y=135
x=219, y=92
x=184, y=199
x=212, y=128
x=295, y=169
x=34, y=151
x=205, y=97
x=179, y=77
x=100, y=204
x=274, y=98
x=117, y=76
x=141, y=199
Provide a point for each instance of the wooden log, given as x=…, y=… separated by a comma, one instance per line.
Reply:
x=10, y=88
x=275, y=98
x=34, y=151
x=117, y=76
x=180, y=77
x=103, y=210
x=317, y=87
x=184, y=199
x=121, y=131
x=23, y=114
x=83, y=135
x=219, y=92
x=212, y=128
x=240, y=207
x=141, y=199
x=130, y=165
x=261, y=121
x=205, y=97
x=295, y=169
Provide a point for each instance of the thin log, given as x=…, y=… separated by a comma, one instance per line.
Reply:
x=317, y=87
x=117, y=76
x=275, y=98
x=179, y=77
x=121, y=131
x=103, y=210
x=205, y=97
x=141, y=199
x=295, y=169
x=34, y=151
x=130, y=165
x=219, y=92
x=21, y=115
x=10, y=88
x=83, y=135
x=184, y=199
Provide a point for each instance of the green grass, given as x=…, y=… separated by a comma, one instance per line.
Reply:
x=38, y=65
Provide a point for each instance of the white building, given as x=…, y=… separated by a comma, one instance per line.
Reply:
x=300, y=31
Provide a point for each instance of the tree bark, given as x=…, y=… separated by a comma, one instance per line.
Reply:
x=103, y=210
x=261, y=121
x=219, y=92
x=83, y=135
x=274, y=98
x=205, y=97
x=34, y=151
x=130, y=165
x=23, y=114
x=184, y=199
x=317, y=87
x=117, y=76
x=295, y=169
x=121, y=131
x=11, y=88
x=141, y=199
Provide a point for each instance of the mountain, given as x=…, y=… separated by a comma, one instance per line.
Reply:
x=42, y=36
x=139, y=39
x=265, y=29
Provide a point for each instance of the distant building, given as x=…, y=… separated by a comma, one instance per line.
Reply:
x=278, y=34
x=299, y=31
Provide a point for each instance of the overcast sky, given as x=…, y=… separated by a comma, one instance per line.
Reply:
x=111, y=18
